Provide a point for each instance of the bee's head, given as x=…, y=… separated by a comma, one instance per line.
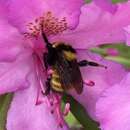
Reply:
x=63, y=46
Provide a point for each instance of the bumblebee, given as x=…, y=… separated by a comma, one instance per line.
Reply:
x=61, y=58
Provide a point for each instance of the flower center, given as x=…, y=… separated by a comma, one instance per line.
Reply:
x=48, y=23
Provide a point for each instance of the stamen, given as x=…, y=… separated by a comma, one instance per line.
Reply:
x=58, y=111
x=56, y=108
x=38, y=101
x=39, y=72
x=89, y=83
x=48, y=23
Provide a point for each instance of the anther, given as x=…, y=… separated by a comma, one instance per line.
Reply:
x=89, y=83
x=49, y=24
x=52, y=111
x=61, y=125
x=66, y=109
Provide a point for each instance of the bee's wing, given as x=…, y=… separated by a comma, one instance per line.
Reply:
x=70, y=75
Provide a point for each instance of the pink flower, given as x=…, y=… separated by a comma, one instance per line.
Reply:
x=22, y=66
x=127, y=33
x=95, y=27
x=113, y=107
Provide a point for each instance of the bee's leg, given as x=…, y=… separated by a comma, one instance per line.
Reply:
x=84, y=63
x=45, y=57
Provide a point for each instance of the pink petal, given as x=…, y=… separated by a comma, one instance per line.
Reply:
x=103, y=78
x=14, y=75
x=10, y=39
x=127, y=34
x=10, y=42
x=23, y=12
x=25, y=115
x=106, y=5
x=113, y=107
x=15, y=57
x=97, y=27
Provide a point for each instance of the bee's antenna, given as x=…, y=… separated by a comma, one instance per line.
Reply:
x=48, y=44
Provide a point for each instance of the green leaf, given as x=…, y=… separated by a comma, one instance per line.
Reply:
x=72, y=121
x=4, y=106
x=113, y=1
x=80, y=113
x=70, y=118
x=117, y=1
x=100, y=51
x=119, y=59
x=123, y=56
x=123, y=49
x=88, y=1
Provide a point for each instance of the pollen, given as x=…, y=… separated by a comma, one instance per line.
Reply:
x=48, y=23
